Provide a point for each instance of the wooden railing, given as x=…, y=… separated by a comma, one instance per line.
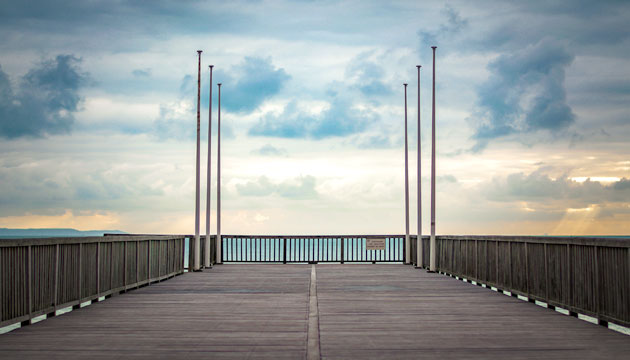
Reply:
x=590, y=276
x=310, y=248
x=40, y=276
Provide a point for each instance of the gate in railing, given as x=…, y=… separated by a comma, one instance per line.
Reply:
x=311, y=249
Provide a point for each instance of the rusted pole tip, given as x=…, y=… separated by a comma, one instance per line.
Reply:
x=199, y=51
x=405, y=84
x=219, y=84
x=433, y=47
x=210, y=66
x=418, y=66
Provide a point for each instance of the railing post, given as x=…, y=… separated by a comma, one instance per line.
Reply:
x=29, y=273
x=98, y=270
x=137, y=262
x=342, y=250
x=284, y=251
x=125, y=265
x=160, y=255
x=80, y=273
x=56, y=301
x=546, y=276
x=596, y=287
x=526, y=269
x=111, y=266
x=496, y=281
x=149, y=261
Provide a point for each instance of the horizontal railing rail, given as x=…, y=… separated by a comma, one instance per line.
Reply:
x=310, y=248
x=587, y=275
x=39, y=276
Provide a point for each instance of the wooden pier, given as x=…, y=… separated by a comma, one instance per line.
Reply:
x=362, y=311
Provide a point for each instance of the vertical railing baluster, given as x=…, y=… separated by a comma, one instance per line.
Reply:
x=342, y=249
x=56, y=277
x=98, y=270
x=29, y=274
x=527, y=269
x=125, y=265
x=80, y=268
x=546, y=275
x=137, y=262
x=284, y=251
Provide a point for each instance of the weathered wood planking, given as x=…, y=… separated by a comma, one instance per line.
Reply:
x=41, y=275
x=364, y=312
x=583, y=275
x=231, y=311
x=397, y=312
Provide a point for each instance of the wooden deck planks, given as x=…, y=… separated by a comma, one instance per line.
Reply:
x=389, y=311
x=262, y=311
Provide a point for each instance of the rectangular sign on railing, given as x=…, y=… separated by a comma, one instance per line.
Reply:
x=375, y=244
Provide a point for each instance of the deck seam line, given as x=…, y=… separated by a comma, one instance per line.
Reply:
x=312, y=343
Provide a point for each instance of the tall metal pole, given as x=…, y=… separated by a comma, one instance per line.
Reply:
x=419, y=262
x=197, y=247
x=207, y=261
x=219, y=259
x=432, y=264
x=407, y=240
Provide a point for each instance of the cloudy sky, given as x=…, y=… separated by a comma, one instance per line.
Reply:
x=97, y=115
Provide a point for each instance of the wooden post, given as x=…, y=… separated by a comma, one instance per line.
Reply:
x=137, y=262
x=111, y=266
x=29, y=274
x=125, y=265
x=80, y=272
x=497, y=264
x=526, y=269
x=98, y=270
x=596, y=287
x=546, y=276
x=510, y=264
x=56, y=276
x=149, y=260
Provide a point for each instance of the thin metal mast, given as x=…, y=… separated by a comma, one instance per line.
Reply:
x=219, y=259
x=407, y=240
x=197, y=247
x=419, y=262
x=208, y=262
x=432, y=263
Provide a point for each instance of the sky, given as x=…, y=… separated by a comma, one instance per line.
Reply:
x=98, y=115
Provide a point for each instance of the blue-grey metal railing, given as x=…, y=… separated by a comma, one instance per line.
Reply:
x=311, y=248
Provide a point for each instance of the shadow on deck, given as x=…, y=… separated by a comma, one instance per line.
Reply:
x=363, y=311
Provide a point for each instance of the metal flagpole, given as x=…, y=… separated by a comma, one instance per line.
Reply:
x=419, y=262
x=432, y=264
x=407, y=240
x=197, y=246
x=219, y=259
x=208, y=262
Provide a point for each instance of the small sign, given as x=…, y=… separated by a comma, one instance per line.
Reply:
x=375, y=244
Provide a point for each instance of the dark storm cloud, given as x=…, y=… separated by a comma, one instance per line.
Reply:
x=524, y=93
x=44, y=100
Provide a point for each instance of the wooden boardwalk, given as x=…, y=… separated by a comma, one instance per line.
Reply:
x=363, y=311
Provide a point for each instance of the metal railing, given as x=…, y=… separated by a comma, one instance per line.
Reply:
x=40, y=276
x=583, y=275
x=310, y=249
